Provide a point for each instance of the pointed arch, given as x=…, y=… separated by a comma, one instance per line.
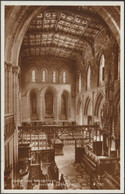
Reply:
x=64, y=115
x=98, y=104
x=33, y=104
x=87, y=106
x=101, y=69
x=88, y=111
x=49, y=102
x=79, y=106
x=88, y=77
x=48, y=97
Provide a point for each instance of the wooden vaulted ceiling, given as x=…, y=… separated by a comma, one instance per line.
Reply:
x=61, y=31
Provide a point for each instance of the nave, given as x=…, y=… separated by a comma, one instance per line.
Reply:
x=62, y=98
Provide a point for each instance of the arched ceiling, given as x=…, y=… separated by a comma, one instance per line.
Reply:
x=62, y=31
x=18, y=21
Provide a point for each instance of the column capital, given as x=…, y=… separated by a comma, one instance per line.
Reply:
x=16, y=69
x=8, y=66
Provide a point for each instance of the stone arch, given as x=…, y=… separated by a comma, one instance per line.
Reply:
x=33, y=104
x=65, y=105
x=101, y=69
x=30, y=89
x=49, y=103
x=53, y=92
x=98, y=104
x=79, y=106
x=98, y=61
x=15, y=33
x=107, y=14
x=44, y=89
x=88, y=111
x=87, y=107
x=32, y=67
x=88, y=77
x=26, y=103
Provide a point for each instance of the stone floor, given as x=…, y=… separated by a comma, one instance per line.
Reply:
x=75, y=174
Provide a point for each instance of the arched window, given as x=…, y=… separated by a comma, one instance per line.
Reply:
x=43, y=76
x=88, y=77
x=64, y=77
x=54, y=76
x=80, y=84
x=101, y=69
x=33, y=75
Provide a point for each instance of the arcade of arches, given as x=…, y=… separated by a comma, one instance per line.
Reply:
x=62, y=84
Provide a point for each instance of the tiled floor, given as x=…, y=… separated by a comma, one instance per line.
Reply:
x=74, y=174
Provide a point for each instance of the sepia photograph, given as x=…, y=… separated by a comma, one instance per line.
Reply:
x=62, y=97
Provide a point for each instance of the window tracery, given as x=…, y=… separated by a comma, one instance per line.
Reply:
x=54, y=76
x=33, y=75
x=64, y=77
x=101, y=69
x=43, y=76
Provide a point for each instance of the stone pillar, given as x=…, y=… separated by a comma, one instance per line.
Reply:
x=83, y=109
x=16, y=92
x=58, y=107
x=13, y=89
x=5, y=89
x=40, y=109
x=9, y=87
x=93, y=106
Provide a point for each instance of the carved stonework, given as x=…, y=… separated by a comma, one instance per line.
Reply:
x=8, y=66
x=16, y=69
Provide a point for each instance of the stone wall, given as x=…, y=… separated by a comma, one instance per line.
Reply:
x=41, y=87
x=104, y=44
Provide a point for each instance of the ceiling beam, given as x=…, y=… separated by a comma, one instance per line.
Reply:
x=52, y=47
x=62, y=33
x=76, y=10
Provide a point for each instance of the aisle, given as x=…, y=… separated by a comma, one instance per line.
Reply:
x=75, y=175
